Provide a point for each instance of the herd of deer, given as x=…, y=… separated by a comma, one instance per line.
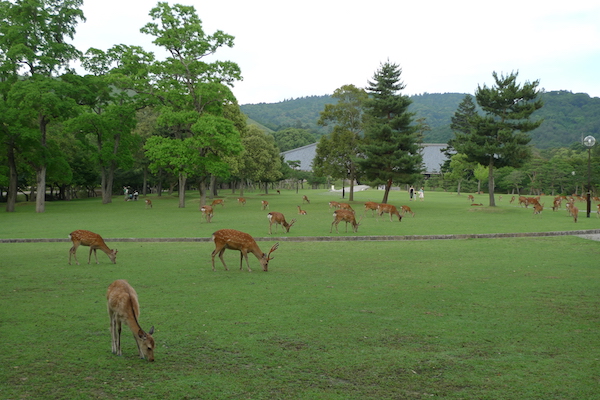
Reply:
x=122, y=300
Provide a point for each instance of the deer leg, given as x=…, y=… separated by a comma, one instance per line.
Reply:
x=245, y=255
x=223, y=260
x=73, y=252
x=90, y=255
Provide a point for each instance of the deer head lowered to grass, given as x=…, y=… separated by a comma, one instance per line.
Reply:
x=244, y=243
x=94, y=241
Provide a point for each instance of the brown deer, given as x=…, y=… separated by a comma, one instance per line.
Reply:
x=277, y=218
x=305, y=199
x=94, y=241
x=148, y=203
x=598, y=212
x=242, y=242
x=301, y=211
x=334, y=204
x=123, y=307
x=207, y=213
x=512, y=199
x=371, y=205
x=218, y=201
x=406, y=209
x=346, y=216
x=471, y=198
x=538, y=208
x=264, y=205
x=390, y=209
x=241, y=201
x=346, y=206
x=575, y=212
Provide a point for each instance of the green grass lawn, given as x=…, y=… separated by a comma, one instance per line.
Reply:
x=512, y=318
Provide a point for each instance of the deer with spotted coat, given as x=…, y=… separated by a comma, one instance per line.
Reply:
x=244, y=243
x=94, y=241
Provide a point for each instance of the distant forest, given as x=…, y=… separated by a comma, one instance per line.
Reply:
x=568, y=117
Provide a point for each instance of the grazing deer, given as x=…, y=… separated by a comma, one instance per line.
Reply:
x=538, y=208
x=123, y=306
x=264, y=205
x=556, y=203
x=471, y=198
x=301, y=211
x=278, y=192
x=94, y=241
x=241, y=201
x=277, y=218
x=305, y=199
x=390, y=209
x=334, y=204
x=406, y=209
x=575, y=212
x=242, y=242
x=148, y=203
x=371, y=205
x=346, y=216
x=512, y=199
x=207, y=213
x=218, y=201
x=346, y=206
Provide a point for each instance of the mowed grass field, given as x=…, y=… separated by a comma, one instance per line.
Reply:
x=511, y=318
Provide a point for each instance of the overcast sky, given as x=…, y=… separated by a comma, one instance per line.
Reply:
x=295, y=49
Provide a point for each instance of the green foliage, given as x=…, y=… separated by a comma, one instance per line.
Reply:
x=301, y=113
x=390, y=146
x=567, y=117
x=292, y=138
x=498, y=138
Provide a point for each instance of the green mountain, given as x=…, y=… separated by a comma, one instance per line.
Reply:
x=568, y=117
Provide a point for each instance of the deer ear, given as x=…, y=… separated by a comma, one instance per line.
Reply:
x=141, y=333
x=151, y=331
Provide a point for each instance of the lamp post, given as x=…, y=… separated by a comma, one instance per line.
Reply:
x=589, y=142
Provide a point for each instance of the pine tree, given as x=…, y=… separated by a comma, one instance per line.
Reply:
x=391, y=147
x=499, y=137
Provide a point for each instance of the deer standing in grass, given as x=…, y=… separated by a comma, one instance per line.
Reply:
x=207, y=213
x=148, y=203
x=538, y=208
x=123, y=307
x=334, y=204
x=264, y=205
x=390, y=209
x=277, y=218
x=94, y=241
x=406, y=209
x=301, y=211
x=346, y=216
x=244, y=243
x=471, y=198
x=218, y=201
x=242, y=201
x=305, y=199
x=346, y=206
x=371, y=205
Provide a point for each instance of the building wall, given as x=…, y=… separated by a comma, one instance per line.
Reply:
x=433, y=158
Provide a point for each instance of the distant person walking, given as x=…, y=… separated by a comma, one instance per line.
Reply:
x=411, y=192
x=125, y=192
x=421, y=194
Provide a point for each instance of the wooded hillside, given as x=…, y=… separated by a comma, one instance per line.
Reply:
x=568, y=117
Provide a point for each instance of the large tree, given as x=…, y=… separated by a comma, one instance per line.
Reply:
x=391, y=145
x=499, y=137
x=337, y=154
x=34, y=52
x=192, y=94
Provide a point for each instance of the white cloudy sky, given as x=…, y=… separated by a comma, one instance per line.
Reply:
x=294, y=49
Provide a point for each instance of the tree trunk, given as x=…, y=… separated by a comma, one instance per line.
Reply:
x=182, y=179
x=386, y=193
x=202, y=190
x=491, y=185
x=458, y=187
x=11, y=195
x=145, y=184
x=40, y=200
x=108, y=177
